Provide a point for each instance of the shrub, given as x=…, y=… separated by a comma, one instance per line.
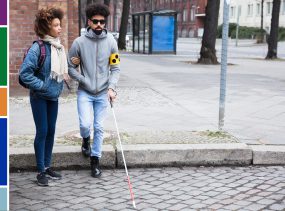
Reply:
x=248, y=32
x=232, y=26
x=281, y=34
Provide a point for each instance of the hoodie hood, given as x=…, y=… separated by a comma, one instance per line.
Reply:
x=92, y=35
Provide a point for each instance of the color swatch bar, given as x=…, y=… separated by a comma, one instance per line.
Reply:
x=3, y=56
x=3, y=198
x=3, y=12
x=3, y=154
x=3, y=102
x=4, y=178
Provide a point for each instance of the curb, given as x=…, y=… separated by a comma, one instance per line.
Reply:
x=268, y=155
x=64, y=157
x=156, y=155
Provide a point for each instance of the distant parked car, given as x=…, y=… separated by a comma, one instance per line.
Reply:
x=82, y=31
x=116, y=35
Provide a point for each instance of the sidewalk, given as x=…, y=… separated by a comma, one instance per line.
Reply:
x=164, y=99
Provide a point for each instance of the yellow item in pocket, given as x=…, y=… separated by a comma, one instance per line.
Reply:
x=114, y=59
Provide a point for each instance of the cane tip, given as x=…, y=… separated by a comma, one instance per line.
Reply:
x=134, y=204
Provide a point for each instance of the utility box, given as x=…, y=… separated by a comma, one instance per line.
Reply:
x=155, y=32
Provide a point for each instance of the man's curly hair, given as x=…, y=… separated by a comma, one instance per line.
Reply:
x=97, y=9
x=44, y=18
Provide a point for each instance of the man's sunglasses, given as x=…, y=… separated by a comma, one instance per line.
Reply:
x=96, y=21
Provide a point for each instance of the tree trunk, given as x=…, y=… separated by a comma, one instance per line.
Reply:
x=107, y=2
x=208, y=51
x=124, y=25
x=92, y=2
x=273, y=37
x=260, y=34
x=261, y=17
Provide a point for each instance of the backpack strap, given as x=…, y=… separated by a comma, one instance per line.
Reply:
x=43, y=53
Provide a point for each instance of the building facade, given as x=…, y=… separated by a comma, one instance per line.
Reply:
x=250, y=13
x=190, y=13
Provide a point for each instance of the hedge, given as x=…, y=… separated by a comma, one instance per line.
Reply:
x=247, y=32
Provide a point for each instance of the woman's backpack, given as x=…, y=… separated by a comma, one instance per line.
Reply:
x=40, y=63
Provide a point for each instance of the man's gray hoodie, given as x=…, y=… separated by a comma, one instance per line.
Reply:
x=94, y=51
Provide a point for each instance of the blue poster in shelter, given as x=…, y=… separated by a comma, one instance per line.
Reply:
x=163, y=29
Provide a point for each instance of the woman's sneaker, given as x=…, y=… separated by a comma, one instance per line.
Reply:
x=42, y=180
x=53, y=175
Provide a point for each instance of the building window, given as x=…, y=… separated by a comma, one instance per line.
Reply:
x=179, y=17
x=258, y=9
x=192, y=15
x=184, y=15
x=249, y=9
x=232, y=12
x=268, y=8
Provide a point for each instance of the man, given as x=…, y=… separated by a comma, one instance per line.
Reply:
x=97, y=80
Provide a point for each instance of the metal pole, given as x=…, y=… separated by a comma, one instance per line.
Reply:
x=238, y=14
x=224, y=63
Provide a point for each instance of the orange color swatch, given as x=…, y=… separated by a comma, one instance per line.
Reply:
x=3, y=101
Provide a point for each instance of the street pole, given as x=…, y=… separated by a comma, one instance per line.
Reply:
x=224, y=63
x=238, y=14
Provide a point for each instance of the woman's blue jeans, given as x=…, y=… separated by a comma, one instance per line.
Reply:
x=45, y=115
x=97, y=105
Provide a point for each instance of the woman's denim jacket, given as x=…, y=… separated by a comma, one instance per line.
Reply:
x=40, y=83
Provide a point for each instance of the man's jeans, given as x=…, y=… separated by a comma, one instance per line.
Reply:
x=45, y=115
x=85, y=104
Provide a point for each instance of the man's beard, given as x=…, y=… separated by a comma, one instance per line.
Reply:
x=98, y=30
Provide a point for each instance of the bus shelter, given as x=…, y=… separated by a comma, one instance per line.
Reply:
x=155, y=32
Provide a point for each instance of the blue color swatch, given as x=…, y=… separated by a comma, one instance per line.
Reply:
x=3, y=154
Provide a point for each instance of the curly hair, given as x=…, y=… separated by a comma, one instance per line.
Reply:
x=97, y=9
x=44, y=18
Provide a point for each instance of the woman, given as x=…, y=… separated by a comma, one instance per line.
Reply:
x=45, y=86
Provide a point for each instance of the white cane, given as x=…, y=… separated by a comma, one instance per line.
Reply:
x=126, y=169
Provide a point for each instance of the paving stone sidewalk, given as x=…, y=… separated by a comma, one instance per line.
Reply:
x=189, y=188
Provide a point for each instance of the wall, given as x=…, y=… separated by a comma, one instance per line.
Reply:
x=254, y=19
x=21, y=28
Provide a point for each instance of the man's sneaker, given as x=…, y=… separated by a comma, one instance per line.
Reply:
x=41, y=179
x=85, y=148
x=53, y=175
x=95, y=169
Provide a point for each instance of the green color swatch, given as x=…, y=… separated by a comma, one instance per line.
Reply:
x=3, y=56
